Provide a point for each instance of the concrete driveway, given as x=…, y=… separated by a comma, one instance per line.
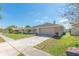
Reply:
x=14, y=47
x=7, y=50
x=29, y=41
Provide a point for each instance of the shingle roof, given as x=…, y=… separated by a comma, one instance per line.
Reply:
x=47, y=24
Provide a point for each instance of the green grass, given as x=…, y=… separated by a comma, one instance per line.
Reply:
x=20, y=54
x=58, y=47
x=2, y=40
x=17, y=36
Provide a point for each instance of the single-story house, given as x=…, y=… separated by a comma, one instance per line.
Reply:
x=48, y=29
x=20, y=30
x=45, y=29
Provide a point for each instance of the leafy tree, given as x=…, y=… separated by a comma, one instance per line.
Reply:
x=28, y=31
x=9, y=28
x=72, y=13
x=27, y=26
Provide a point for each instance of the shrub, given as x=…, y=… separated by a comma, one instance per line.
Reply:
x=76, y=45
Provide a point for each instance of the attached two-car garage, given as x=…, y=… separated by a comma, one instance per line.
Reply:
x=47, y=31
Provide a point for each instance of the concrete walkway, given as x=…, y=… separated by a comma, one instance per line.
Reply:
x=14, y=47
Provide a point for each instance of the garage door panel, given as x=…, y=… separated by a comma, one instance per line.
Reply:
x=46, y=30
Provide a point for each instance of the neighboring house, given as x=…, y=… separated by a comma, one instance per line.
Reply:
x=45, y=29
x=16, y=30
x=20, y=30
x=75, y=29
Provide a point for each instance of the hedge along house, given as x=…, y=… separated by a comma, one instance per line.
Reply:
x=46, y=29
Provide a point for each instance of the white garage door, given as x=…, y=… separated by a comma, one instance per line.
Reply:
x=47, y=30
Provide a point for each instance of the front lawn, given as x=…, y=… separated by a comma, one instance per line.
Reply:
x=58, y=46
x=2, y=40
x=18, y=36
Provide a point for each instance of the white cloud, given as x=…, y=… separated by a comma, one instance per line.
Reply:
x=39, y=21
x=44, y=19
x=63, y=20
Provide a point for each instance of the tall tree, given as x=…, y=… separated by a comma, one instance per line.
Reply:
x=72, y=13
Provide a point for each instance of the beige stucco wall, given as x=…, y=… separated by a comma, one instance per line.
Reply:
x=51, y=30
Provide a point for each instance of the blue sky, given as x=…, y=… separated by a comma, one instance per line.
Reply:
x=31, y=14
